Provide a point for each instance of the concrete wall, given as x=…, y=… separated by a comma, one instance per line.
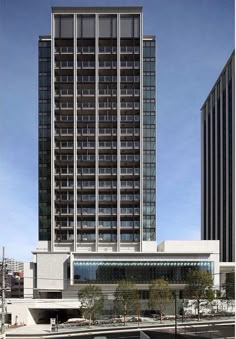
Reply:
x=29, y=268
x=197, y=246
x=52, y=271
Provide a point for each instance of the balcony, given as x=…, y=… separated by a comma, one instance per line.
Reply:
x=129, y=118
x=64, y=79
x=86, y=144
x=130, y=78
x=129, y=92
x=64, y=211
x=129, y=197
x=107, y=211
x=130, y=184
x=64, y=50
x=86, y=49
x=64, y=92
x=129, y=211
x=86, y=185
x=64, y=184
x=107, y=131
x=64, y=145
x=130, y=144
x=107, y=78
x=107, y=49
x=86, y=79
x=107, y=64
x=64, y=171
x=130, y=64
x=64, y=132
x=130, y=131
x=107, y=184
x=86, y=131
x=130, y=158
x=86, y=157
x=86, y=105
x=129, y=171
x=107, y=91
x=130, y=49
x=86, y=211
x=64, y=64
x=86, y=171
x=107, y=144
x=107, y=158
x=86, y=64
x=86, y=91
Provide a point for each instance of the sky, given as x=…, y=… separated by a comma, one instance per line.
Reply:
x=195, y=38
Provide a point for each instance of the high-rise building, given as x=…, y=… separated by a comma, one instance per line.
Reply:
x=218, y=163
x=97, y=160
x=97, y=131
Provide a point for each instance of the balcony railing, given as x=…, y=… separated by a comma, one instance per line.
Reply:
x=64, y=50
x=107, y=49
x=130, y=64
x=86, y=49
x=130, y=49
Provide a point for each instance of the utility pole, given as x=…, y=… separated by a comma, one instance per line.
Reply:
x=3, y=293
x=176, y=330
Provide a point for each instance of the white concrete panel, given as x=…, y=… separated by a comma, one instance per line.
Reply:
x=149, y=246
x=52, y=270
x=189, y=246
x=28, y=279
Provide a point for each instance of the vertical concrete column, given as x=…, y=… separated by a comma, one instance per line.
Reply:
x=141, y=132
x=216, y=164
x=75, y=132
x=221, y=171
x=207, y=174
x=202, y=175
x=118, y=132
x=52, y=137
x=227, y=168
x=96, y=129
x=233, y=158
x=211, y=146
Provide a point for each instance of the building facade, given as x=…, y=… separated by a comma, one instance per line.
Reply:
x=97, y=161
x=218, y=163
x=97, y=135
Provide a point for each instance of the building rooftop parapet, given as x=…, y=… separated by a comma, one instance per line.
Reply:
x=100, y=9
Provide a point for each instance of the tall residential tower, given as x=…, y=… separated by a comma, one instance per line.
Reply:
x=97, y=131
x=218, y=163
x=97, y=159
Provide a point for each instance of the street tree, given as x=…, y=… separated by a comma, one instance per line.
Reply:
x=159, y=295
x=126, y=298
x=230, y=286
x=91, y=299
x=199, y=287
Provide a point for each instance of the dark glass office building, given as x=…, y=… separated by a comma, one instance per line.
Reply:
x=218, y=163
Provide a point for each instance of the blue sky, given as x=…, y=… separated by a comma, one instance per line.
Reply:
x=194, y=38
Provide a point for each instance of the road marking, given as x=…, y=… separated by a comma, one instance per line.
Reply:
x=195, y=332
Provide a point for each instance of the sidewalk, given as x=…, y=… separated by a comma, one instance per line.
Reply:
x=39, y=330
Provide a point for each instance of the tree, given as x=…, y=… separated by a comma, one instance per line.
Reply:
x=199, y=287
x=92, y=300
x=126, y=298
x=230, y=286
x=159, y=295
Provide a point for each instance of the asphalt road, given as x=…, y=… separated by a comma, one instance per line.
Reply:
x=214, y=331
